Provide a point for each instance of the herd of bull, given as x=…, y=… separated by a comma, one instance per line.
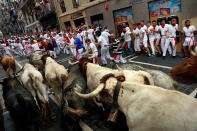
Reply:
x=147, y=98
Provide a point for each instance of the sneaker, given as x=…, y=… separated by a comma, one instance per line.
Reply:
x=116, y=61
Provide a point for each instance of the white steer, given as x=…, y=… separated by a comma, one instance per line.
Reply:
x=151, y=108
x=55, y=75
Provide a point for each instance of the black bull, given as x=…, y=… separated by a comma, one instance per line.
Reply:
x=21, y=105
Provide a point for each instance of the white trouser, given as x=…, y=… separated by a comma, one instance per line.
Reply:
x=91, y=38
x=157, y=40
x=56, y=49
x=7, y=51
x=151, y=40
x=104, y=55
x=120, y=59
x=66, y=49
x=85, y=45
x=137, y=44
x=73, y=51
x=52, y=53
x=95, y=60
x=163, y=40
x=167, y=45
x=79, y=53
x=189, y=41
x=108, y=54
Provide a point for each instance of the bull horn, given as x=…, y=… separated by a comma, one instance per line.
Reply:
x=72, y=63
x=92, y=56
x=92, y=94
x=120, y=70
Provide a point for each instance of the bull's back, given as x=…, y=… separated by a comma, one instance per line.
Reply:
x=8, y=62
x=158, y=109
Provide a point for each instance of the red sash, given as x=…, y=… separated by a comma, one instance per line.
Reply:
x=115, y=56
x=76, y=54
x=126, y=46
x=191, y=39
x=155, y=42
x=96, y=60
x=175, y=43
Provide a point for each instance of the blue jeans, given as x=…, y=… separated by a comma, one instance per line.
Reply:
x=129, y=47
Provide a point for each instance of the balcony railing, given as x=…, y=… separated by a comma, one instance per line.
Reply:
x=43, y=11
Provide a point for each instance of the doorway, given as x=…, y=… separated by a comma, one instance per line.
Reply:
x=79, y=22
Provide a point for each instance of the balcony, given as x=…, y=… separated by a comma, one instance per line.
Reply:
x=44, y=11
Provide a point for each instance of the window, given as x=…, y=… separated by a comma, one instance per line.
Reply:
x=62, y=5
x=75, y=3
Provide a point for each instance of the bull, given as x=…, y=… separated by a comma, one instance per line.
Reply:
x=35, y=60
x=55, y=75
x=96, y=77
x=33, y=82
x=75, y=81
x=151, y=108
x=21, y=105
x=160, y=78
x=8, y=63
x=186, y=70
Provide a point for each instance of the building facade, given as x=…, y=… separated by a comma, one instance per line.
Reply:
x=11, y=19
x=39, y=15
x=112, y=13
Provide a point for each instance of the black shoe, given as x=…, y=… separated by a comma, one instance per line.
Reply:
x=164, y=57
x=173, y=56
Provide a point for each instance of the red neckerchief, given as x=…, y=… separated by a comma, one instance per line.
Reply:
x=134, y=28
x=173, y=24
x=154, y=27
x=187, y=26
x=162, y=25
x=142, y=26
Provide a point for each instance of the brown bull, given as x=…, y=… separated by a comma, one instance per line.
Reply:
x=186, y=70
x=8, y=63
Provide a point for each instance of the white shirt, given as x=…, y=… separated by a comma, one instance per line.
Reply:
x=106, y=36
x=79, y=36
x=162, y=29
x=144, y=27
x=90, y=32
x=45, y=36
x=102, y=40
x=150, y=32
x=188, y=31
x=72, y=41
x=60, y=40
x=93, y=46
x=157, y=35
x=35, y=47
x=171, y=30
x=136, y=33
x=20, y=46
x=127, y=35
x=142, y=30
